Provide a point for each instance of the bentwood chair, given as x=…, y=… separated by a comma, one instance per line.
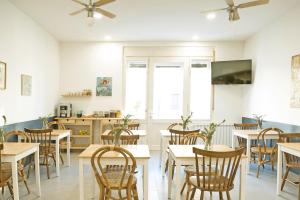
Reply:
x=215, y=172
x=125, y=139
x=133, y=126
x=59, y=126
x=5, y=174
x=43, y=136
x=245, y=126
x=265, y=153
x=115, y=182
x=177, y=138
x=292, y=162
x=19, y=136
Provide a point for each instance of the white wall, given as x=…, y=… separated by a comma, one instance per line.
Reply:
x=27, y=49
x=272, y=49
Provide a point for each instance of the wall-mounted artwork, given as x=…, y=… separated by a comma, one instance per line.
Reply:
x=2, y=75
x=26, y=85
x=295, y=93
x=104, y=86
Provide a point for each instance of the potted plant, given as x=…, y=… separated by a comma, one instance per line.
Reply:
x=259, y=119
x=209, y=132
x=2, y=131
x=126, y=121
x=117, y=132
x=45, y=121
x=186, y=121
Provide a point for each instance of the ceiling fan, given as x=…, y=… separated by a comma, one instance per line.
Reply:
x=233, y=9
x=93, y=8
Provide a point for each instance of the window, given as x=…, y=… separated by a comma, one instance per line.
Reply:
x=167, y=91
x=136, y=87
x=200, y=89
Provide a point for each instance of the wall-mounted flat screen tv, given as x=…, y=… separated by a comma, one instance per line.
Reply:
x=231, y=72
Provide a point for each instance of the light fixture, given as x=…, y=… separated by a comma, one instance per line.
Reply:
x=211, y=16
x=97, y=15
x=108, y=37
x=195, y=37
x=90, y=21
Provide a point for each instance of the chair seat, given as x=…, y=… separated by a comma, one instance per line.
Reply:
x=217, y=183
x=5, y=173
x=256, y=150
x=7, y=166
x=114, y=179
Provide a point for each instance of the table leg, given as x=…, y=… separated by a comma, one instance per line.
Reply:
x=145, y=179
x=242, y=193
x=68, y=150
x=81, y=180
x=160, y=155
x=57, y=156
x=177, y=180
x=93, y=186
x=248, y=155
x=14, y=171
x=163, y=157
x=37, y=171
x=170, y=177
x=279, y=169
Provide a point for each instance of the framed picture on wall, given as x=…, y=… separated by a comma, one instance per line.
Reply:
x=26, y=85
x=295, y=90
x=104, y=86
x=2, y=75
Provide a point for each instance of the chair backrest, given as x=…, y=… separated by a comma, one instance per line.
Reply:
x=262, y=142
x=124, y=132
x=177, y=126
x=124, y=139
x=177, y=136
x=246, y=126
x=17, y=136
x=133, y=126
x=286, y=138
x=215, y=171
x=56, y=125
x=42, y=136
x=101, y=172
x=192, y=138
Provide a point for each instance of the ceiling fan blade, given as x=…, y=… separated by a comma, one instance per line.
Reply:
x=253, y=3
x=229, y=2
x=77, y=1
x=78, y=11
x=105, y=13
x=211, y=11
x=102, y=2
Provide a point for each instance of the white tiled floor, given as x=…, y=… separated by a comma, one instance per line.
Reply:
x=66, y=186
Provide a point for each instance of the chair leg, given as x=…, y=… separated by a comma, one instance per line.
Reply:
x=129, y=194
x=285, y=177
x=183, y=187
x=202, y=195
x=173, y=169
x=135, y=193
x=167, y=165
x=10, y=189
x=102, y=192
x=54, y=159
x=220, y=195
x=193, y=193
x=61, y=158
x=47, y=166
x=22, y=174
x=188, y=191
x=258, y=168
x=228, y=195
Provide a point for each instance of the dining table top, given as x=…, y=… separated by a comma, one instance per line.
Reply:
x=186, y=151
x=138, y=151
x=254, y=132
x=16, y=148
x=291, y=145
x=56, y=132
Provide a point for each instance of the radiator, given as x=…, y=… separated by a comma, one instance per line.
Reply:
x=223, y=133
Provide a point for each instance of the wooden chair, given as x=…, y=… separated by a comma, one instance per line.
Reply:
x=188, y=139
x=119, y=181
x=125, y=139
x=43, y=136
x=5, y=174
x=15, y=136
x=177, y=126
x=262, y=151
x=59, y=126
x=177, y=138
x=133, y=126
x=292, y=162
x=215, y=172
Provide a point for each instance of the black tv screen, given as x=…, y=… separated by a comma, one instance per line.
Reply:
x=231, y=72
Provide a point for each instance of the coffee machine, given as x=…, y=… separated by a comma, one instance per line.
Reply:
x=64, y=110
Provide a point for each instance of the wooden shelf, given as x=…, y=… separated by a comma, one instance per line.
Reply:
x=80, y=136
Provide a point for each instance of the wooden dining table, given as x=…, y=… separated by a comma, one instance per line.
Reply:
x=250, y=135
x=140, y=152
x=290, y=148
x=183, y=155
x=12, y=153
x=141, y=133
x=56, y=136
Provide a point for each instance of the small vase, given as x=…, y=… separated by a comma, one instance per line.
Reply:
x=117, y=140
x=207, y=145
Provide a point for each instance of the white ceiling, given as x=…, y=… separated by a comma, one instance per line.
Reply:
x=152, y=20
